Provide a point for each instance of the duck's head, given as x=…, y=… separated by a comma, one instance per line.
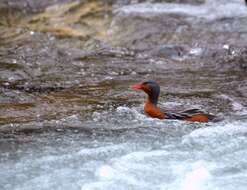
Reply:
x=151, y=88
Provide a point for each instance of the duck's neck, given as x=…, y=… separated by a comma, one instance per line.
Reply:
x=153, y=99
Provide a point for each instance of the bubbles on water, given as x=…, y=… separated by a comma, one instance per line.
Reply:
x=133, y=73
x=72, y=120
x=226, y=46
x=196, y=51
x=105, y=171
x=197, y=178
x=209, y=11
x=223, y=129
x=120, y=115
x=108, y=78
x=145, y=159
x=12, y=78
x=237, y=107
x=6, y=83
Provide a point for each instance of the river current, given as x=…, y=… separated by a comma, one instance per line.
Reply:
x=69, y=121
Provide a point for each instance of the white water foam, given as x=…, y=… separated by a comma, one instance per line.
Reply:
x=237, y=107
x=209, y=11
x=206, y=157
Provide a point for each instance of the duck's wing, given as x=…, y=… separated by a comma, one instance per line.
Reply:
x=188, y=114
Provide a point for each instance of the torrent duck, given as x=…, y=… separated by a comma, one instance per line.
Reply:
x=152, y=89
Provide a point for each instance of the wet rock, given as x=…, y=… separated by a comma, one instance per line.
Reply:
x=30, y=5
x=79, y=57
x=81, y=20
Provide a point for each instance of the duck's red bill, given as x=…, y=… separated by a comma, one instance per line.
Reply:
x=136, y=87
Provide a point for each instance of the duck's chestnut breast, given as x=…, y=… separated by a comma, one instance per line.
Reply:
x=153, y=111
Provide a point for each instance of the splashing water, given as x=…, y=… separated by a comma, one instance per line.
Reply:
x=141, y=153
x=68, y=122
x=209, y=11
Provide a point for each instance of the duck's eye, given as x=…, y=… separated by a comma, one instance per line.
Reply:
x=147, y=88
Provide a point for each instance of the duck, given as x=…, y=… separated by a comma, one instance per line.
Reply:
x=151, y=108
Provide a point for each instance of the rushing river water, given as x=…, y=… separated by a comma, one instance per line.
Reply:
x=69, y=121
